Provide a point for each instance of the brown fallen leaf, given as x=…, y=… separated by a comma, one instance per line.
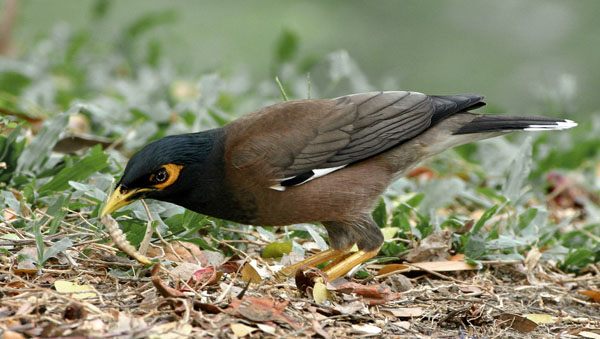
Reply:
x=319, y=329
x=466, y=228
x=435, y=247
x=241, y=330
x=444, y=266
x=540, y=318
x=162, y=288
x=8, y=334
x=205, y=276
x=594, y=294
x=389, y=268
x=262, y=310
x=249, y=274
x=372, y=294
x=404, y=312
x=457, y=257
x=517, y=322
x=179, y=251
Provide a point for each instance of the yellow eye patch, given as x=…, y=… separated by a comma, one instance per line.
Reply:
x=173, y=171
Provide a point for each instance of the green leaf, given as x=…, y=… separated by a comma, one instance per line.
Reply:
x=284, y=95
x=475, y=246
x=392, y=249
x=570, y=158
x=519, y=171
x=39, y=242
x=389, y=232
x=380, y=214
x=134, y=230
x=149, y=21
x=10, y=150
x=578, y=259
x=526, y=217
x=56, y=248
x=13, y=82
x=487, y=215
x=287, y=46
x=276, y=249
x=94, y=162
x=100, y=8
x=412, y=203
x=34, y=155
x=57, y=212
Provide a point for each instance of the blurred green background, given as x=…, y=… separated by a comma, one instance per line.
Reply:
x=523, y=55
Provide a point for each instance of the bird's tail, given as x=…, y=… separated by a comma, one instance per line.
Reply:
x=507, y=123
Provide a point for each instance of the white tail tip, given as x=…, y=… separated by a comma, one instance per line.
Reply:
x=565, y=124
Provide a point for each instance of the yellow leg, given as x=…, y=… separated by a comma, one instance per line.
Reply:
x=314, y=260
x=342, y=267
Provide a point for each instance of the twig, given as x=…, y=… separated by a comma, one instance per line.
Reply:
x=149, y=230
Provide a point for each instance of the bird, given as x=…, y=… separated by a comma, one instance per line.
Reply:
x=312, y=161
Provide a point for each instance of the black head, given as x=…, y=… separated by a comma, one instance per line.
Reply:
x=162, y=169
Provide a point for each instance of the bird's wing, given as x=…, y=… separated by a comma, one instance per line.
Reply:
x=304, y=140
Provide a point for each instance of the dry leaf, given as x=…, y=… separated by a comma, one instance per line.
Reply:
x=399, y=283
x=204, y=277
x=78, y=291
x=163, y=289
x=594, y=294
x=249, y=274
x=320, y=293
x=389, y=268
x=267, y=328
x=445, y=266
x=517, y=322
x=540, y=318
x=261, y=310
x=368, y=329
x=372, y=294
x=12, y=335
x=241, y=330
x=172, y=330
x=435, y=247
x=403, y=324
x=588, y=334
x=319, y=329
x=457, y=257
x=404, y=312
x=185, y=270
x=349, y=308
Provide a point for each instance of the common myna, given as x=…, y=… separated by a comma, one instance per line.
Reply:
x=324, y=160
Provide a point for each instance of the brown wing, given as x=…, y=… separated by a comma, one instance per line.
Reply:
x=298, y=141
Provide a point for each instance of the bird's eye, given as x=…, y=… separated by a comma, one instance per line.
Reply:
x=159, y=176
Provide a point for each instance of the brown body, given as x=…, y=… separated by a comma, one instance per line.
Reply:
x=341, y=200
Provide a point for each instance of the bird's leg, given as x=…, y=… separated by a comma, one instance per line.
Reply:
x=336, y=270
x=367, y=235
x=314, y=260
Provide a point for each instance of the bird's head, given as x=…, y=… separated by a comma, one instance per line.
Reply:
x=162, y=170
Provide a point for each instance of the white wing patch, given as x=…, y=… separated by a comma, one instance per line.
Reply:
x=316, y=173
